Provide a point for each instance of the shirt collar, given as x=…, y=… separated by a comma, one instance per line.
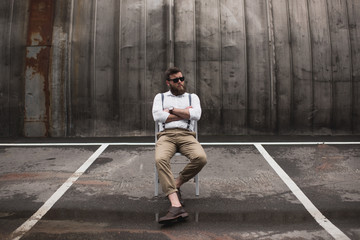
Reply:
x=169, y=93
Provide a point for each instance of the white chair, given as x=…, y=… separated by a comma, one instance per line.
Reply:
x=196, y=178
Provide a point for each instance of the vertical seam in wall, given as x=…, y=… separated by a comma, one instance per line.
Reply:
x=220, y=64
x=10, y=65
x=168, y=44
x=172, y=32
x=68, y=81
x=291, y=67
x=331, y=69
x=196, y=50
x=22, y=98
x=271, y=62
x=247, y=111
x=114, y=106
x=351, y=72
x=312, y=67
x=119, y=71
x=143, y=103
x=171, y=38
x=94, y=118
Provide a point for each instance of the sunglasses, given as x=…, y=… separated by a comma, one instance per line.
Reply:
x=175, y=80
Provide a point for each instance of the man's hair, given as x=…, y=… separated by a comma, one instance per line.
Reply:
x=171, y=71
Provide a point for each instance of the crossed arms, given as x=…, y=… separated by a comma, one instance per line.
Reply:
x=178, y=114
x=181, y=112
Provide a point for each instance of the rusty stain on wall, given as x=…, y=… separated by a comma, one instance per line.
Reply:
x=37, y=92
x=40, y=22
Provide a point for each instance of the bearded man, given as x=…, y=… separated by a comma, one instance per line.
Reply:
x=176, y=111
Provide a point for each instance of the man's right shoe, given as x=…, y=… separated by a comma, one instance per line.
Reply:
x=174, y=214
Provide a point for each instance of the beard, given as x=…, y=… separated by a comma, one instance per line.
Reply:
x=178, y=90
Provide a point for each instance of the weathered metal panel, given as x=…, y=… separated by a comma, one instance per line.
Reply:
x=353, y=8
x=17, y=60
x=13, y=23
x=156, y=57
x=37, y=92
x=302, y=68
x=283, y=69
x=132, y=79
x=5, y=26
x=209, y=85
x=259, y=79
x=185, y=41
x=82, y=69
x=59, y=70
x=106, y=59
x=341, y=67
x=321, y=66
x=233, y=67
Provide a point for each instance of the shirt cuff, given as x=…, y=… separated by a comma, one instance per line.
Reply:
x=193, y=114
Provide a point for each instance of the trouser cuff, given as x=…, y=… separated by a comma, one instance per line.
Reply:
x=171, y=191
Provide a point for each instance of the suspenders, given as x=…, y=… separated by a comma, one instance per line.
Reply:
x=188, y=126
x=162, y=102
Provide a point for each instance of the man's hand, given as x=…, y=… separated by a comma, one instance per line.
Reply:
x=178, y=114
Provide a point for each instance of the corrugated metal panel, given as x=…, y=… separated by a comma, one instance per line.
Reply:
x=5, y=24
x=301, y=59
x=37, y=91
x=353, y=8
x=13, y=24
x=259, y=67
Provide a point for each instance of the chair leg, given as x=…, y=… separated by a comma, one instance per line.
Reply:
x=156, y=182
x=197, y=185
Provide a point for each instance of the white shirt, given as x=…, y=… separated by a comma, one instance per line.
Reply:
x=182, y=102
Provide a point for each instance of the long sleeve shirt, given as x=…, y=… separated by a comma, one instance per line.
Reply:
x=181, y=102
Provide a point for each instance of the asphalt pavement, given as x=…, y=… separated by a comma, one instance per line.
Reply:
x=257, y=188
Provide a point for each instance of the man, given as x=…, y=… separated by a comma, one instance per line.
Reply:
x=176, y=116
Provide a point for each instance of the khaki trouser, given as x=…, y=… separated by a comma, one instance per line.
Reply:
x=169, y=142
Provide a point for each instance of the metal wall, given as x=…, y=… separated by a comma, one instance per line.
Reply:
x=13, y=24
x=258, y=66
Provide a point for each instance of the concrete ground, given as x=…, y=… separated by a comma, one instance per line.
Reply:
x=254, y=188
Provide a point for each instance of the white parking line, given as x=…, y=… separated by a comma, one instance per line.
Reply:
x=25, y=227
x=72, y=144
x=153, y=144
x=310, y=207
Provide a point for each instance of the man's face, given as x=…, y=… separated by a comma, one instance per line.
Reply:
x=177, y=88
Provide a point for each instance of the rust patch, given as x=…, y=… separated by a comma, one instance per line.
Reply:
x=39, y=39
x=328, y=158
x=40, y=22
x=36, y=61
x=93, y=182
x=329, y=162
x=32, y=176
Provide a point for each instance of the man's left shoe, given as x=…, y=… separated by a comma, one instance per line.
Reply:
x=174, y=214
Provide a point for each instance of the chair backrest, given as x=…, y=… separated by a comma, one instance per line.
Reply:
x=157, y=130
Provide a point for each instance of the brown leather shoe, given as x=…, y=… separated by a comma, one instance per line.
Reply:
x=174, y=213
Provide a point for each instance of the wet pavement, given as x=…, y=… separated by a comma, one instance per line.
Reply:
x=241, y=195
